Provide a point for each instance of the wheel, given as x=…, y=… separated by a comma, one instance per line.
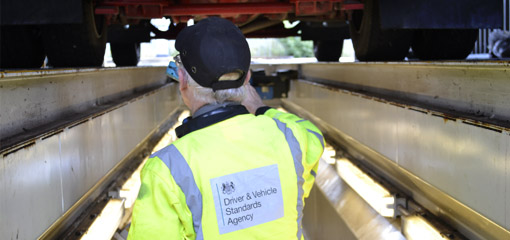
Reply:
x=125, y=54
x=77, y=45
x=436, y=44
x=371, y=43
x=499, y=44
x=21, y=47
x=328, y=50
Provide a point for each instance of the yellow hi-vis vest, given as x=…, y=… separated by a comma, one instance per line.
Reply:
x=242, y=178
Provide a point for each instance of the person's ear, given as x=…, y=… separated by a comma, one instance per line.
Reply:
x=248, y=77
x=183, y=81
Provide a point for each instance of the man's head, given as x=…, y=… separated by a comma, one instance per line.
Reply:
x=215, y=60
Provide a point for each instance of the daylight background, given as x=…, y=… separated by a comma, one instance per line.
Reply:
x=289, y=50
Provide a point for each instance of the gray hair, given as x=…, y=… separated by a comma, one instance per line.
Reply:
x=207, y=95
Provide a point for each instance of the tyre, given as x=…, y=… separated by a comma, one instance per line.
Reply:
x=21, y=47
x=125, y=54
x=77, y=45
x=328, y=50
x=371, y=43
x=437, y=44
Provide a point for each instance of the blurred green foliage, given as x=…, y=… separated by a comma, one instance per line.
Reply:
x=282, y=47
x=293, y=46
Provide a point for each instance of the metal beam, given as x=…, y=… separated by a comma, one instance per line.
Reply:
x=227, y=8
x=457, y=170
x=56, y=174
x=335, y=211
x=34, y=102
x=477, y=91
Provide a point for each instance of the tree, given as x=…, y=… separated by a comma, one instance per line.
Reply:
x=295, y=47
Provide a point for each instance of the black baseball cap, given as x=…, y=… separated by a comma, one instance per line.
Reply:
x=211, y=48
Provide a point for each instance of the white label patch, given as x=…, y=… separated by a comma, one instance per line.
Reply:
x=247, y=198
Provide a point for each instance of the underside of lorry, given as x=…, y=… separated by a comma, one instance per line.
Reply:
x=74, y=33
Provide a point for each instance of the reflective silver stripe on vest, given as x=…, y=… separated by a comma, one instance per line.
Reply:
x=298, y=165
x=315, y=133
x=183, y=176
x=318, y=136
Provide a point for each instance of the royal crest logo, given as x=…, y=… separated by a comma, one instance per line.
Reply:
x=228, y=188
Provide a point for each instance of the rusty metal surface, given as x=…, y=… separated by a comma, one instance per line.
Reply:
x=40, y=182
x=455, y=168
x=29, y=100
x=477, y=90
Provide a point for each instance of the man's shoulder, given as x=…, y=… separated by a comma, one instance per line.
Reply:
x=243, y=120
x=159, y=158
x=162, y=152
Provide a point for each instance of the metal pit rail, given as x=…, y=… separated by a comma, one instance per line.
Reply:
x=69, y=135
x=440, y=132
x=437, y=131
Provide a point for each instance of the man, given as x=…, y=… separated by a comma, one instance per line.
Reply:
x=232, y=174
